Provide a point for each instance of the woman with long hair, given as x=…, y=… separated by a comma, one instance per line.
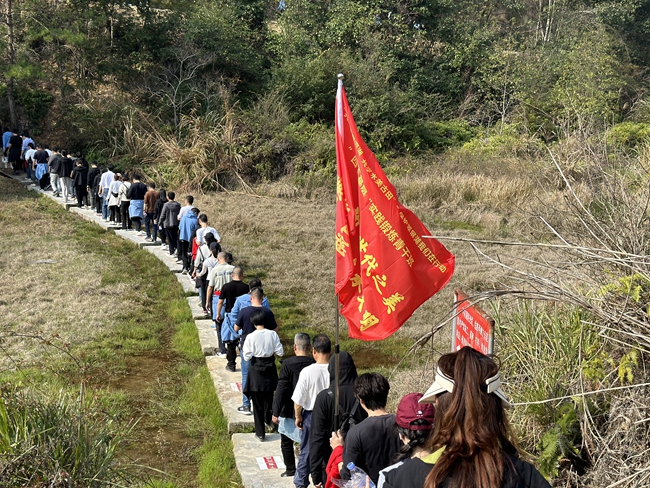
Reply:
x=472, y=443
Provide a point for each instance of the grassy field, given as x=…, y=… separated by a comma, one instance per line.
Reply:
x=80, y=306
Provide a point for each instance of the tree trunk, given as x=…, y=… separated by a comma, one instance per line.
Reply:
x=12, y=60
x=13, y=116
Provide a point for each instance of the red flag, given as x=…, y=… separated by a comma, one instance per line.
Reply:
x=384, y=269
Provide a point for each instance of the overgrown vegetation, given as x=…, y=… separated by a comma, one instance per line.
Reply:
x=229, y=93
x=57, y=442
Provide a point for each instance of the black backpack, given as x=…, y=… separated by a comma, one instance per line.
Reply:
x=346, y=418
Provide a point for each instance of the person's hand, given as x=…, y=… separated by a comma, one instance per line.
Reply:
x=275, y=419
x=367, y=481
x=340, y=466
x=299, y=422
x=336, y=439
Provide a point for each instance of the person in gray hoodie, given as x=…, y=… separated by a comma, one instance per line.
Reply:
x=169, y=220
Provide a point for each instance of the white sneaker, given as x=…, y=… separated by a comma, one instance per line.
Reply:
x=140, y=234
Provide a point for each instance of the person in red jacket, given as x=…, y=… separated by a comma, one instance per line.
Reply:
x=332, y=469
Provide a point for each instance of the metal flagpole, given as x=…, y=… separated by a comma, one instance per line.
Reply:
x=337, y=368
x=337, y=357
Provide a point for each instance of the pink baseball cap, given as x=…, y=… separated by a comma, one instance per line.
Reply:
x=410, y=410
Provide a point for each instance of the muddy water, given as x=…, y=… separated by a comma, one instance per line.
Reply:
x=159, y=439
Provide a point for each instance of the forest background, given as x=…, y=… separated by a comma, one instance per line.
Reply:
x=499, y=122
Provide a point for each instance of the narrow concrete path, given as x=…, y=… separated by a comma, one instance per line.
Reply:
x=259, y=463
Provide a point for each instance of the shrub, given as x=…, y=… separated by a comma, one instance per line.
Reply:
x=628, y=134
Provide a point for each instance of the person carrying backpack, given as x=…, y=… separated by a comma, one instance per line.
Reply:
x=322, y=420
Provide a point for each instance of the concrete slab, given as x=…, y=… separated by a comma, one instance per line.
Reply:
x=163, y=255
x=186, y=283
x=248, y=451
x=226, y=384
x=132, y=236
x=208, y=338
x=195, y=306
x=91, y=216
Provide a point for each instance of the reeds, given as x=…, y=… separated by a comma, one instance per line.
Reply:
x=56, y=442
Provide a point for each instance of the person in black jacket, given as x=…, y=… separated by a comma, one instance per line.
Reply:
x=157, y=210
x=282, y=403
x=65, y=174
x=80, y=182
x=56, y=163
x=93, y=189
x=322, y=419
x=472, y=443
x=96, y=186
x=371, y=444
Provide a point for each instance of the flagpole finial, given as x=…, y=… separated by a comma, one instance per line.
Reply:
x=340, y=76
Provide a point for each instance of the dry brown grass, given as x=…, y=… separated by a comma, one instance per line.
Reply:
x=65, y=299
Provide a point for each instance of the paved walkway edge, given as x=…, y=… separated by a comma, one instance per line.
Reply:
x=250, y=454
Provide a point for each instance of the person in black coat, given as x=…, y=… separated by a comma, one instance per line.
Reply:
x=80, y=182
x=157, y=210
x=93, y=189
x=282, y=403
x=322, y=419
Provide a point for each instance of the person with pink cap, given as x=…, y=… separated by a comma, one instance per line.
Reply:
x=413, y=423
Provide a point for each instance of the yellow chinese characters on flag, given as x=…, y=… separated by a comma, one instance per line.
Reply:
x=384, y=268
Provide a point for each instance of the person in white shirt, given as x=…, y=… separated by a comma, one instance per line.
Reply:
x=104, y=187
x=262, y=380
x=189, y=205
x=30, y=164
x=204, y=228
x=312, y=380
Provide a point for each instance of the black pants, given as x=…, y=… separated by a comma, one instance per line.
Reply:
x=137, y=222
x=172, y=237
x=222, y=345
x=288, y=454
x=262, y=403
x=184, y=253
x=98, y=203
x=81, y=194
x=231, y=352
x=159, y=230
x=124, y=213
x=115, y=213
x=44, y=181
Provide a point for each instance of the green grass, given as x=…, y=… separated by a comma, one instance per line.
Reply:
x=368, y=356
x=145, y=322
x=457, y=225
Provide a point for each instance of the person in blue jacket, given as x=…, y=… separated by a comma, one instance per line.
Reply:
x=189, y=223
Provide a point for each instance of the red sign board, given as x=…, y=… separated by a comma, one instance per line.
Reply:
x=270, y=463
x=472, y=326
